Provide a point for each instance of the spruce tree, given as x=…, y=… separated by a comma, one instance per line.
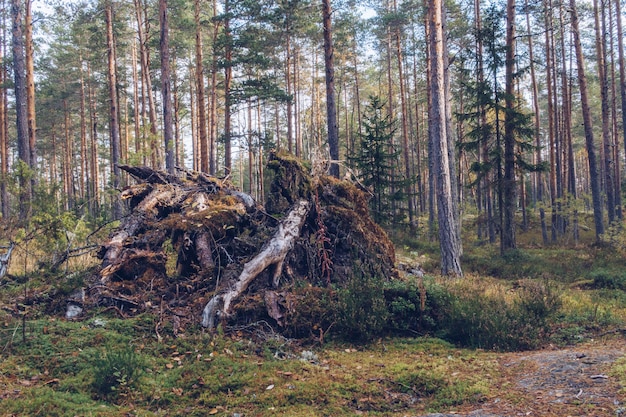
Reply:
x=375, y=159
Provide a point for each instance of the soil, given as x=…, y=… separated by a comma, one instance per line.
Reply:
x=574, y=381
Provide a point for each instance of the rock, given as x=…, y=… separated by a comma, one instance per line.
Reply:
x=73, y=311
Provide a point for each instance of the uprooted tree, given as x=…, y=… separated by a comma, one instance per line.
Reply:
x=198, y=248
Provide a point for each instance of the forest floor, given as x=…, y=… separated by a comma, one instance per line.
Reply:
x=229, y=376
x=575, y=381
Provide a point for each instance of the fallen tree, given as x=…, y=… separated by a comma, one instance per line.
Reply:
x=196, y=249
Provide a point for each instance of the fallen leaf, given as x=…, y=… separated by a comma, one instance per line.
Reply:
x=169, y=365
x=213, y=411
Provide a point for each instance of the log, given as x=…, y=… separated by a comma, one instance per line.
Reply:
x=273, y=254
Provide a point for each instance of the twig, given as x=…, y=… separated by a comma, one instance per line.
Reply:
x=117, y=310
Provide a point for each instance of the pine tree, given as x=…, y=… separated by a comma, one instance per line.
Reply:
x=375, y=160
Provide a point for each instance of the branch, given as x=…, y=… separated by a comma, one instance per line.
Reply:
x=273, y=254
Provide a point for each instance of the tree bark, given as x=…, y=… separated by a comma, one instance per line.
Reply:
x=622, y=65
x=509, y=182
x=331, y=106
x=144, y=57
x=448, y=226
x=607, y=153
x=589, y=139
x=203, y=139
x=228, y=77
x=405, y=129
x=114, y=126
x=166, y=88
x=213, y=98
x=93, y=148
x=538, y=183
x=21, y=108
x=4, y=131
x=30, y=86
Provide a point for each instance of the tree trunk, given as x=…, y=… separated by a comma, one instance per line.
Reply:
x=93, y=148
x=622, y=65
x=21, y=108
x=448, y=226
x=609, y=186
x=114, y=126
x=509, y=184
x=228, y=76
x=4, y=131
x=405, y=130
x=331, y=107
x=213, y=98
x=84, y=172
x=551, y=118
x=30, y=86
x=68, y=159
x=288, y=81
x=166, y=88
x=590, y=145
x=617, y=176
x=538, y=183
x=203, y=139
x=147, y=79
x=139, y=150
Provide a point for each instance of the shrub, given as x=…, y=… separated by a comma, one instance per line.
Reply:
x=609, y=279
x=361, y=309
x=494, y=321
x=116, y=372
x=414, y=308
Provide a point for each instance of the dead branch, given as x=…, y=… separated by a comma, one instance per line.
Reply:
x=272, y=255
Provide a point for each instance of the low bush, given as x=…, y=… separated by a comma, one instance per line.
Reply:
x=361, y=310
x=117, y=372
x=498, y=320
x=608, y=279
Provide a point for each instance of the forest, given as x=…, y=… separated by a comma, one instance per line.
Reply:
x=216, y=187
x=533, y=120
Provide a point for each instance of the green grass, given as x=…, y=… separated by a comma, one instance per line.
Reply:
x=60, y=368
x=106, y=366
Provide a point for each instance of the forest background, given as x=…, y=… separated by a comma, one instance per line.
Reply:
x=532, y=122
x=501, y=119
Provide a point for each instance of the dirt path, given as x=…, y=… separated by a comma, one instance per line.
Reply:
x=557, y=383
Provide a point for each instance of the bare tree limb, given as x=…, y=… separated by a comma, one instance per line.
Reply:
x=273, y=254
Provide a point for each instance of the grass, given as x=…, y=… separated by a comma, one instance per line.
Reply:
x=105, y=366
x=59, y=371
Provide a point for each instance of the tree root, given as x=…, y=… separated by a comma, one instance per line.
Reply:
x=273, y=254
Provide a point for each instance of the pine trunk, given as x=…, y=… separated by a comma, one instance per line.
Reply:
x=203, y=139
x=21, y=108
x=590, y=145
x=114, y=126
x=331, y=107
x=509, y=184
x=30, y=86
x=166, y=89
x=448, y=226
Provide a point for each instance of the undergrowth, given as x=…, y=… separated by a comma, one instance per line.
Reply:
x=376, y=346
